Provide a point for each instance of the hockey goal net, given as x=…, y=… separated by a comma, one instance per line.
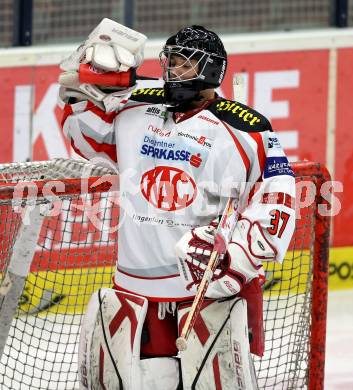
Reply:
x=45, y=286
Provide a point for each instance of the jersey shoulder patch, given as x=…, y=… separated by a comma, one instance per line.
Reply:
x=148, y=95
x=240, y=116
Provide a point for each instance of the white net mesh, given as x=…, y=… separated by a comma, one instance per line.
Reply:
x=75, y=256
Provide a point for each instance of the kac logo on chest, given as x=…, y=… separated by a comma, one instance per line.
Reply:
x=168, y=188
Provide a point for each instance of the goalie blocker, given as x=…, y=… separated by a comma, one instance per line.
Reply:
x=218, y=356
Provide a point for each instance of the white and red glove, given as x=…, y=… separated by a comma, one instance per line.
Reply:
x=102, y=69
x=241, y=263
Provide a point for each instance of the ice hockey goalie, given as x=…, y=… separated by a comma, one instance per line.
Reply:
x=180, y=151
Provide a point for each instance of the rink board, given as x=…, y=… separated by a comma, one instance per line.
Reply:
x=67, y=291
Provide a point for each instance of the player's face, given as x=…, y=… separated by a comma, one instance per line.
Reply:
x=181, y=68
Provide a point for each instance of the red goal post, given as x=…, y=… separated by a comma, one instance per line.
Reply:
x=320, y=272
x=302, y=281
x=75, y=253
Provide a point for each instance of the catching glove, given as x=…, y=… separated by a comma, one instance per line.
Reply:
x=241, y=263
x=102, y=69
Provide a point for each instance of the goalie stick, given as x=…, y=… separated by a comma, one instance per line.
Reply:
x=223, y=236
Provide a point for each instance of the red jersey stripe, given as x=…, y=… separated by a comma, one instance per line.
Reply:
x=106, y=117
x=147, y=277
x=261, y=154
x=66, y=112
x=75, y=148
x=108, y=149
x=241, y=150
x=152, y=298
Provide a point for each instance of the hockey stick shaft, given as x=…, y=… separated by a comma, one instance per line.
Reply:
x=222, y=238
x=223, y=235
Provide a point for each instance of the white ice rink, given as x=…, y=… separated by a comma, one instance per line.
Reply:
x=339, y=341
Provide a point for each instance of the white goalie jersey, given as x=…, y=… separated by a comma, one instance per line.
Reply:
x=176, y=173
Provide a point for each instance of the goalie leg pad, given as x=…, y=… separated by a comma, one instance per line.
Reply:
x=218, y=355
x=109, y=349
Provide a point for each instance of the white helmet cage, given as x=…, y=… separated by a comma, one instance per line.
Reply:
x=201, y=64
x=194, y=64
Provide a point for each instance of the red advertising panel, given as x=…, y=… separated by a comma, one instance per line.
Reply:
x=29, y=114
x=343, y=226
x=290, y=88
x=9, y=80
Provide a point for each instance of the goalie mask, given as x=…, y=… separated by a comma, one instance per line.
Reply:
x=192, y=60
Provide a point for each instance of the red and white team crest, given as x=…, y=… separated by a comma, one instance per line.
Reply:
x=168, y=188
